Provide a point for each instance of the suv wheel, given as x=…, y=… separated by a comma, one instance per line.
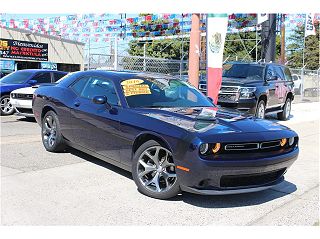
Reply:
x=6, y=106
x=261, y=109
x=285, y=114
x=52, y=138
x=154, y=171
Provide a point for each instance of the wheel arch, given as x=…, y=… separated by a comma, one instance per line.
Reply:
x=46, y=109
x=264, y=98
x=146, y=136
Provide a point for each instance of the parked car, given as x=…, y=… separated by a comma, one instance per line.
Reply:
x=297, y=83
x=20, y=79
x=166, y=132
x=21, y=99
x=257, y=88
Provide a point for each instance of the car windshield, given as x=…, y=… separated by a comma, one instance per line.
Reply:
x=17, y=77
x=160, y=92
x=242, y=71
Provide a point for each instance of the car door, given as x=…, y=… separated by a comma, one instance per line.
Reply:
x=271, y=86
x=281, y=87
x=95, y=126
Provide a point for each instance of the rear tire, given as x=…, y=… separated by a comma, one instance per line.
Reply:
x=285, y=114
x=153, y=171
x=6, y=107
x=52, y=138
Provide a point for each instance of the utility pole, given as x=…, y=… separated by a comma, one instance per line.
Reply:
x=283, y=41
x=194, y=50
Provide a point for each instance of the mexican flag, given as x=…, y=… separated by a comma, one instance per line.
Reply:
x=217, y=25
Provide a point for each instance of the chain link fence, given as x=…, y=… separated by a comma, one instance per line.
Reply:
x=306, y=85
x=306, y=82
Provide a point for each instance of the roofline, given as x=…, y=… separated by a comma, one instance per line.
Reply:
x=43, y=35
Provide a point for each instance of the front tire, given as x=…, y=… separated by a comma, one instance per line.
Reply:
x=51, y=134
x=153, y=171
x=6, y=107
x=261, y=109
x=285, y=114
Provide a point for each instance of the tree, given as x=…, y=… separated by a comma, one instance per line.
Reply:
x=311, y=51
x=241, y=46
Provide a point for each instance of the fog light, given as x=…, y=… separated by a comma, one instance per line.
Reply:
x=283, y=142
x=291, y=141
x=203, y=149
x=216, y=147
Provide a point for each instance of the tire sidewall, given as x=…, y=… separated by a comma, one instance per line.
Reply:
x=59, y=143
x=162, y=195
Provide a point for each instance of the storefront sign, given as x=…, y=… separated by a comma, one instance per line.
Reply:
x=23, y=50
x=49, y=65
x=6, y=65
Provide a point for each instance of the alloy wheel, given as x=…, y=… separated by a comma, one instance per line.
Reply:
x=49, y=131
x=6, y=106
x=156, y=170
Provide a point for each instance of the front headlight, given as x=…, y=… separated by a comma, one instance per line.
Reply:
x=247, y=92
x=12, y=95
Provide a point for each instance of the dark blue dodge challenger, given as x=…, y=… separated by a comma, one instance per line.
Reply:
x=168, y=134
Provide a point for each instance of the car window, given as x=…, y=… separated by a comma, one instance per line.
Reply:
x=270, y=72
x=17, y=77
x=242, y=71
x=89, y=87
x=43, y=77
x=288, y=74
x=57, y=76
x=279, y=73
x=78, y=86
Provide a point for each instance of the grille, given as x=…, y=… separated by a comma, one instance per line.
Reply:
x=24, y=110
x=22, y=96
x=227, y=97
x=259, y=179
x=229, y=89
x=253, y=146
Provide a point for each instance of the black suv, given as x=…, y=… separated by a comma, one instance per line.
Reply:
x=258, y=88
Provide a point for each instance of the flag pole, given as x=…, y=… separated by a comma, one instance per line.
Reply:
x=302, y=70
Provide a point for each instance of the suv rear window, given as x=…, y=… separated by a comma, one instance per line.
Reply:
x=243, y=71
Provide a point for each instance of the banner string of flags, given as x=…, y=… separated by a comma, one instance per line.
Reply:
x=102, y=28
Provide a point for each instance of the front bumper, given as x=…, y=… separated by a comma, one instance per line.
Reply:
x=22, y=107
x=247, y=105
x=233, y=177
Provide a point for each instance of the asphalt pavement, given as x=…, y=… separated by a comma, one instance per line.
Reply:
x=73, y=188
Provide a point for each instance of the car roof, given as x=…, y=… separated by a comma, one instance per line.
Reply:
x=255, y=63
x=42, y=70
x=120, y=75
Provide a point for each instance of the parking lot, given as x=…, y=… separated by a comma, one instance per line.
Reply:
x=72, y=188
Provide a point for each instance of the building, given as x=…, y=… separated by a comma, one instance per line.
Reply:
x=23, y=49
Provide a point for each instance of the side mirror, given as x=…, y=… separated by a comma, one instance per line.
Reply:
x=32, y=82
x=101, y=100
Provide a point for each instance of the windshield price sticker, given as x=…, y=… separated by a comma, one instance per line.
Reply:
x=131, y=82
x=142, y=89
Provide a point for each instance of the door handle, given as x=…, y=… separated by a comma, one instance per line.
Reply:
x=77, y=104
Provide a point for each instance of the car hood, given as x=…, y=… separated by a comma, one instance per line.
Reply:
x=7, y=88
x=26, y=90
x=240, y=81
x=207, y=120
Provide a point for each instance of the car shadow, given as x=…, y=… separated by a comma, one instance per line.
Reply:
x=27, y=119
x=216, y=201
x=273, y=117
